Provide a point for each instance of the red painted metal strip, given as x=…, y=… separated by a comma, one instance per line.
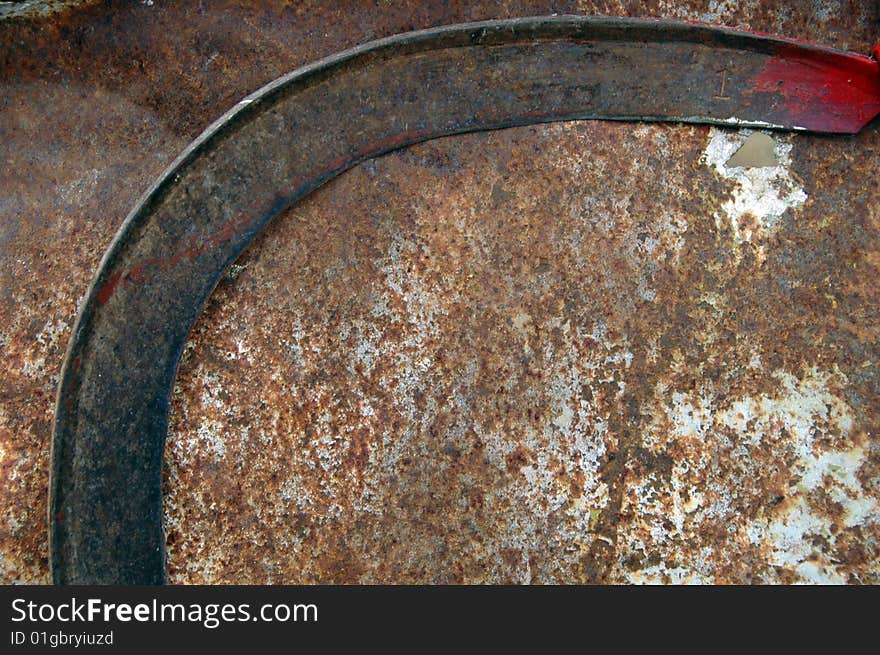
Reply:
x=822, y=90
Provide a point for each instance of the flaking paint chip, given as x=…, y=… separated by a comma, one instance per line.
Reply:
x=758, y=151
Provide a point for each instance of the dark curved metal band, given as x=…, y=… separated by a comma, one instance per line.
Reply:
x=276, y=146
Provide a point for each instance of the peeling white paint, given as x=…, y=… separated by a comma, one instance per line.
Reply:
x=802, y=418
x=765, y=193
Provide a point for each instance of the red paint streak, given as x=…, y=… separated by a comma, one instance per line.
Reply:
x=147, y=269
x=197, y=244
x=59, y=516
x=106, y=291
x=823, y=90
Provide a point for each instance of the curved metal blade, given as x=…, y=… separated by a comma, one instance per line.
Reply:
x=281, y=142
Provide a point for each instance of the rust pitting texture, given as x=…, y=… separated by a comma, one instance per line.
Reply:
x=580, y=352
x=38, y=8
x=540, y=355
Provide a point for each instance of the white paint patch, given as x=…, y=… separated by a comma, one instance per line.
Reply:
x=690, y=418
x=660, y=574
x=803, y=409
x=719, y=10
x=765, y=193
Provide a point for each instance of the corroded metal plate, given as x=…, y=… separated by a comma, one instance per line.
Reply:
x=283, y=141
x=97, y=101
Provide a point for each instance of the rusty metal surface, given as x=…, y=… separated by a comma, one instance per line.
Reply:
x=683, y=388
x=306, y=128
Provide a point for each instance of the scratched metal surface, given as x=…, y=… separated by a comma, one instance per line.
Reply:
x=576, y=352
